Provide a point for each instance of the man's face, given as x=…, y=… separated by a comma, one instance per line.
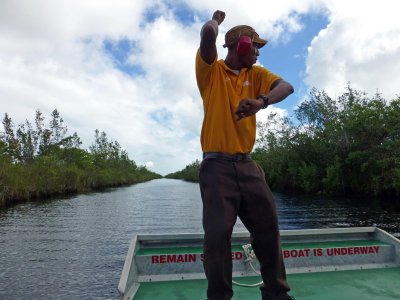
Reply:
x=250, y=58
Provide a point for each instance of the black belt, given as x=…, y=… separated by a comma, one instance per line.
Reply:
x=227, y=156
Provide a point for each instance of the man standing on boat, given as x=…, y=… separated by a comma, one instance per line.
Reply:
x=231, y=183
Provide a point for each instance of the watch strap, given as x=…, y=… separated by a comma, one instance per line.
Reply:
x=265, y=99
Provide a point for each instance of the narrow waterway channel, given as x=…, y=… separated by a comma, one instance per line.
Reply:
x=74, y=248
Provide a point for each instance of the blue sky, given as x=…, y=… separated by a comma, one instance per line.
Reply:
x=126, y=67
x=285, y=57
x=119, y=52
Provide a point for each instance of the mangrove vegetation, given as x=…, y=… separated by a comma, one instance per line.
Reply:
x=40, y=160
x=349, y=146
x=189, y=173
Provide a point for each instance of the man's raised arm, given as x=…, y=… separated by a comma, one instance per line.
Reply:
x=208, y=34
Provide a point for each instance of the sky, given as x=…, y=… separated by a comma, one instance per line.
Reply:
x=126, y=67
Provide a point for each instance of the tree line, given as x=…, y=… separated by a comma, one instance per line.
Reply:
x=40, y=160
x=189, y=173
x=349, y=146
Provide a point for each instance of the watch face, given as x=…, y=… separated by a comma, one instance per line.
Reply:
x=265, y=99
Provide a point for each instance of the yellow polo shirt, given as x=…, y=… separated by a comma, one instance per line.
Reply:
x=222, y=89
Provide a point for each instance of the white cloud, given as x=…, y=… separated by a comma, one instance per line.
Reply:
x=149, y=164
x=52, y=56
x=361, y=45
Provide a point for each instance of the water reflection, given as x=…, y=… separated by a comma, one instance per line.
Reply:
x=319, y=212
x=75, y=248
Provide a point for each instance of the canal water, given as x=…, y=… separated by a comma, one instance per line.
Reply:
x=74, y=248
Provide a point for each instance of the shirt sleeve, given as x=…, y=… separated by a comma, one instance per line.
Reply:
x=265, y=80
x=203, y=72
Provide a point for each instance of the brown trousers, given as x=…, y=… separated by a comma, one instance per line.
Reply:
x=233, y=186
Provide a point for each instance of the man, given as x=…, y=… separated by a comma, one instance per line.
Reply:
x=231, y=184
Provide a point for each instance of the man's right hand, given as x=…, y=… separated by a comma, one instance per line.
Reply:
x=218, y=16
x=248, y=107
x=209, y=33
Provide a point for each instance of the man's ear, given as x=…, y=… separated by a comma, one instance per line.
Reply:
x=244, y=45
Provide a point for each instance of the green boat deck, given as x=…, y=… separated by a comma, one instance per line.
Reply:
x=370, y=284
x=323, y=264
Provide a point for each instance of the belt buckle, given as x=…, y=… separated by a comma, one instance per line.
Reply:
x=240, y=156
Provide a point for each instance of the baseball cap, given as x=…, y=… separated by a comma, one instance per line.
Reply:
x=233, y=35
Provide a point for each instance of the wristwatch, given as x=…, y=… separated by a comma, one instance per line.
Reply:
x=264, y=99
